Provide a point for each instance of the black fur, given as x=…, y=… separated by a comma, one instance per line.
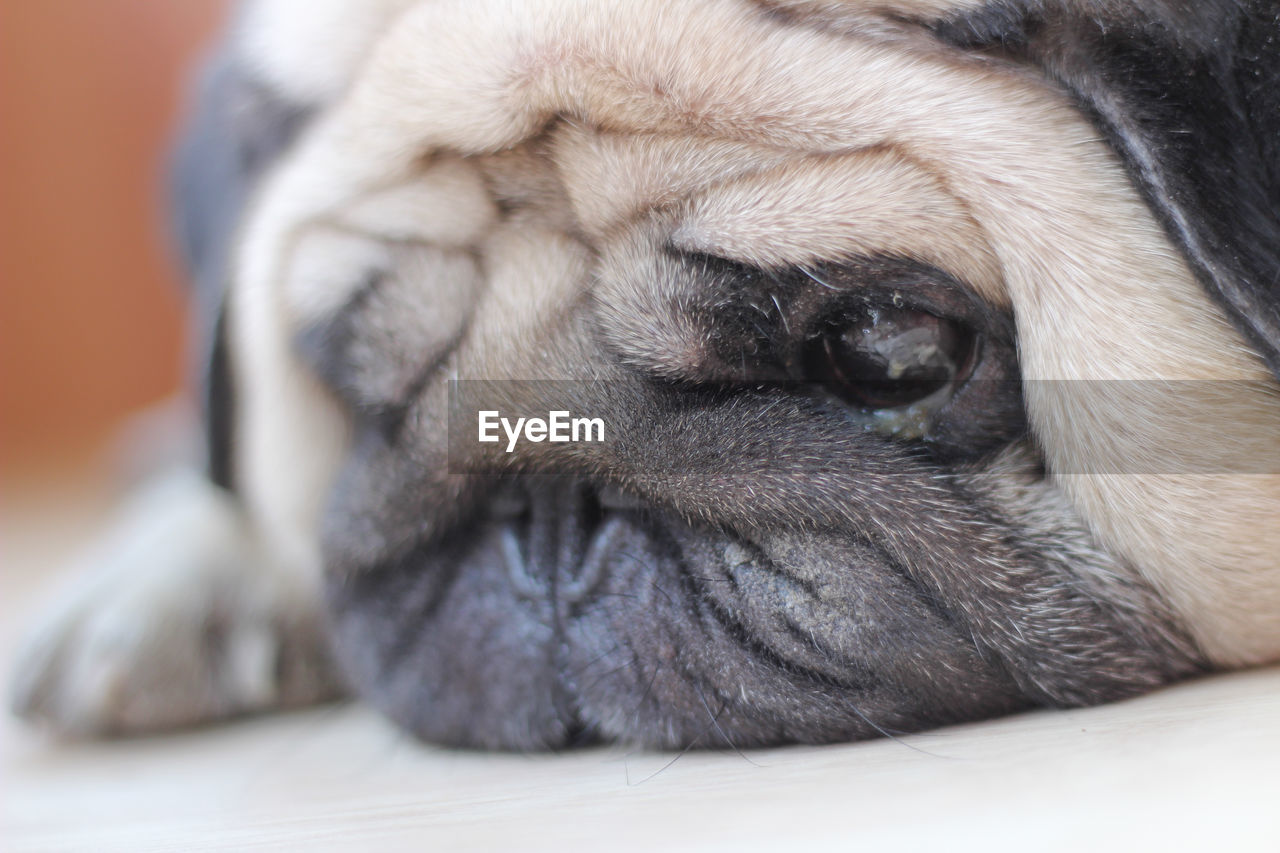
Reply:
x=236, y=129
x=1189, y=96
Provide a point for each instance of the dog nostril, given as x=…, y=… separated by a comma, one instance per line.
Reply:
x=509, y=502
x=548, y=535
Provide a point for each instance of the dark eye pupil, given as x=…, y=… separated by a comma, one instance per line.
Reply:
x=890, y=357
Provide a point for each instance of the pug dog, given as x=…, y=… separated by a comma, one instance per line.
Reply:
x=933, y=343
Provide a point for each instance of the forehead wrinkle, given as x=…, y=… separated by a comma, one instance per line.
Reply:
x=535, y=278
x=612, y=179
x=825, y=208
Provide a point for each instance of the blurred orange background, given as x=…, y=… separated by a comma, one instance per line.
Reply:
x=91, y=299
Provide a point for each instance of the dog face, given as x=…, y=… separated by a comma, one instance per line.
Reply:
x=933, y=342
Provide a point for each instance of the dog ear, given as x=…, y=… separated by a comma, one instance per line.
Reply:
x=1188, y=94
x=236, y=128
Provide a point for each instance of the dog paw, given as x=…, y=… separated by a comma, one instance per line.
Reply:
x=176, y=622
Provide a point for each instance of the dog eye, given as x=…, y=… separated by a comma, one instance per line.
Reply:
x=890, y=358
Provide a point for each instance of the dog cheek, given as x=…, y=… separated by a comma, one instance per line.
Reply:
x=697, y=638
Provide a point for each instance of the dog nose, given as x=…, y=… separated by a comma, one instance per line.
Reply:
x=548, y=528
